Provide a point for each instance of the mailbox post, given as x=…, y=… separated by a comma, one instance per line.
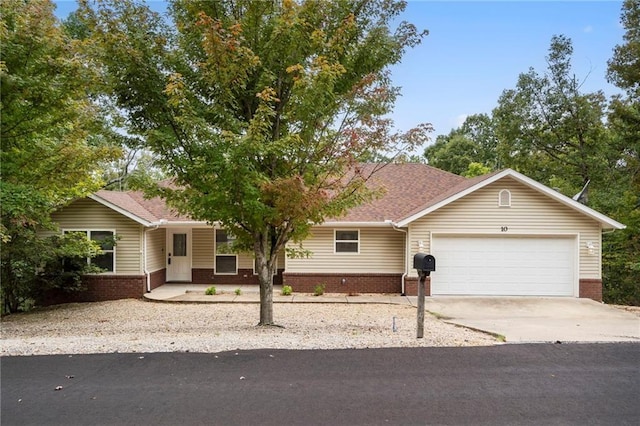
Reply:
x=424, y=264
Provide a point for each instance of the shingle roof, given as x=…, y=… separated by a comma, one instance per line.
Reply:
x=409, y=192
x=407, y=189
x=149, y=210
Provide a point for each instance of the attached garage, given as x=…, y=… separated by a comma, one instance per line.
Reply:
x=505, y=266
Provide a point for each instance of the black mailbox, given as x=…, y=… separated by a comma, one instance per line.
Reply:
x=424, y=262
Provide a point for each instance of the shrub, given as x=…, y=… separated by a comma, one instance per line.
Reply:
x=238, y=292
x=287, y=290
x=211, y=291
x=319, y=290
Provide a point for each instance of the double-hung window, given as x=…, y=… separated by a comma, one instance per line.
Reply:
x=347, y=241
x=226, y=260
x=106, y=240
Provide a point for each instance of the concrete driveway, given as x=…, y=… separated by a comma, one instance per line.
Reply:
x=539, y=319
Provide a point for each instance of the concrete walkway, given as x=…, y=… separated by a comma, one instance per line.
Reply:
x=517, y=319
x=194, y=293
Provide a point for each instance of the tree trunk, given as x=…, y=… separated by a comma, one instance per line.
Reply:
x=265, y=277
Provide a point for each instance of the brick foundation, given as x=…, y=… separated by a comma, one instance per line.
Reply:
x=158, y=278
x=411, y=286
x=243, y=277
x=591, y=289
x=99, y=288
x=353, y=283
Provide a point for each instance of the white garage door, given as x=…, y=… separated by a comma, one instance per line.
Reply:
x=518, y=266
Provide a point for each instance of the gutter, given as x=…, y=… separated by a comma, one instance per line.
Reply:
x=406, y=254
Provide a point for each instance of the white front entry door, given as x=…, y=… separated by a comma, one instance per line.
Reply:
x=178, y=255
x=517, y=266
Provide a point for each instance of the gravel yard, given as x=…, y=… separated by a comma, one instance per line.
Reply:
x=138, y=326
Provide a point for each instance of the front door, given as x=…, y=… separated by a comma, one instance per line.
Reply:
x=178, y=255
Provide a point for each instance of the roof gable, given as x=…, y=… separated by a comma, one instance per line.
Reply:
x=132, y=204
x=480, y=182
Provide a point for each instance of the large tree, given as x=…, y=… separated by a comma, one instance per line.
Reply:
x=49, y=137
x=468, y=149
x=549, y=129
x=621, y=263
x=260, y=110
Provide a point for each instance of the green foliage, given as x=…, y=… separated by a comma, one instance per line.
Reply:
x=32, y=266
x=452, y=153
x=260, y=110
x=621, y=200
x=476, y=169
x=287, y=290
x=473, y=142
x=624, y=66
x=319, y=290
x=547, y=127
x=50, y=136
x=238, y=291
x=210, y=291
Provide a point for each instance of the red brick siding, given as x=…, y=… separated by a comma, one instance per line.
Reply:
x=411, y=286
x=243, y=277
x=591, y=289
x=158, y=278
x=201, y=275
x=100, y=288
x=353, y=283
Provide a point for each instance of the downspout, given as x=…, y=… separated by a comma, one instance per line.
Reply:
x=406, y=255
x=144, y=248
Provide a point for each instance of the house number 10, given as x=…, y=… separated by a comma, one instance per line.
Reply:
x=504, y=229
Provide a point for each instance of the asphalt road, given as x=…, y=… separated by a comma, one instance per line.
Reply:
x=511, y=384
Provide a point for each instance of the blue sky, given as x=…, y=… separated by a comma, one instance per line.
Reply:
x=477, y=49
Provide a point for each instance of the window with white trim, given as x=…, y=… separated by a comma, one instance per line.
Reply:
x=504, y=198
x=226, y=261
x=347, y=241
x=106, y=240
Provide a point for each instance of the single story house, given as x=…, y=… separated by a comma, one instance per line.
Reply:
x=500, y=234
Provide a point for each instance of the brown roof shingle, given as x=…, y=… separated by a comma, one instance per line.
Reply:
x=407, y=189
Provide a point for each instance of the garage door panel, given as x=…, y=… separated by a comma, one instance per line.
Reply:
x=503, y=266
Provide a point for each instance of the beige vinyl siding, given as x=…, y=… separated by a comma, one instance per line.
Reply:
x=202, y=247
x=245, y=261
x=156, y=243
x=531, y=213
x=381, y=251
x=282, y=259
x=204, y=255
x=91, y=215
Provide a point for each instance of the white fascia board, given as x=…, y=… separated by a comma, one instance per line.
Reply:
x=607, y=221
x=182, y=224
x=120, y=210
x=339, y=224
